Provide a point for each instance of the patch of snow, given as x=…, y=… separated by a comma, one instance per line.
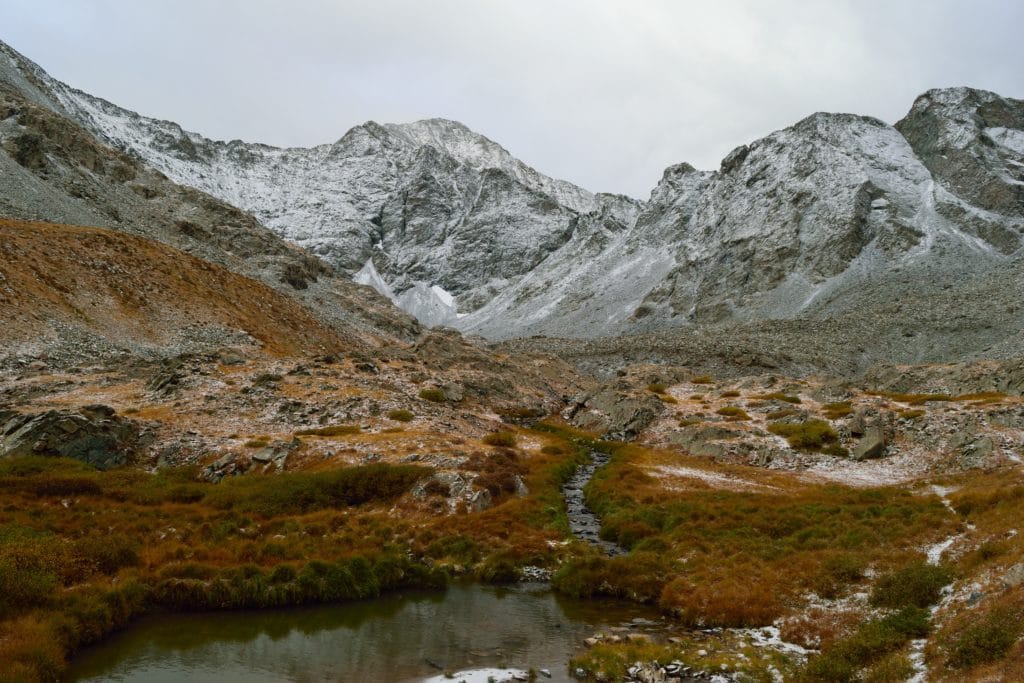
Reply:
x=368, y=275
x=1009, y=138
x=446, y=298
x=707, y=476
x=917, y=661
x=935, y=551
x=429, y=307
x=769, y=637
x=480, y=676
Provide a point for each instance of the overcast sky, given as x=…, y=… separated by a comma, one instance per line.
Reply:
x=605, y=94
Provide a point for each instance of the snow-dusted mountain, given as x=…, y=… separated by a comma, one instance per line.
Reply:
x=796, y=224
x=438, y=208
x=457, y=231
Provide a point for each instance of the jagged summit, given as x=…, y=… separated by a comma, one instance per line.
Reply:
x=433, y=203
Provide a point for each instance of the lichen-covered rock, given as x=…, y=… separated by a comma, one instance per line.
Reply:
x=618, y=410
x=871, y=444
x=92, y=434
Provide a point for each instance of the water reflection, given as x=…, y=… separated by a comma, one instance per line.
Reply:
x=404, y=637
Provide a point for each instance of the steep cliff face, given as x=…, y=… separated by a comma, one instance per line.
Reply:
x=972, y=141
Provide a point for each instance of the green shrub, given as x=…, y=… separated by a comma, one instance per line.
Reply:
x=498, y=569
x=918, y=585
x=433, y=395
x=332, y=430
x=107, y=554
x=812, y=435
x=702, y=379
x=657, y=388
x=918, y=399
x=63, y=485
x=458, y=548
x=506, y=439
x=36, y=464
x=986, y=640
x=283, y=573
x=302, y=492
x=639, y=577
x=401, y=415
x=729, y=394
x=23, y=587
x=834, y=411
x=844, y=659
x=734, y=413
x=893, y=668
x=779, y=396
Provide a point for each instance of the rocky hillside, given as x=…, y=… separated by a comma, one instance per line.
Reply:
x=805, y=223
x=79, y=294
x=53, y=169
x=433, y=207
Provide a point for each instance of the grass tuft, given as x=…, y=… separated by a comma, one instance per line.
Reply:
x=434, y=395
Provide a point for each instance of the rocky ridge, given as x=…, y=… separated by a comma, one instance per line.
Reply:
x=799, y=224
x=53, y=169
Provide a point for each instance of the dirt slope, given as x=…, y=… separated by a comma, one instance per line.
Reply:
x=125, y=292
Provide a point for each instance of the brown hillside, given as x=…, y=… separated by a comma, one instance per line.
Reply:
x=134, y=292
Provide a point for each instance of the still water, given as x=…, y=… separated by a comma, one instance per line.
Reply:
x=401, y=637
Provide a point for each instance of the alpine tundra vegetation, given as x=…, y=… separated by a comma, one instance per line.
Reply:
x=780, y=403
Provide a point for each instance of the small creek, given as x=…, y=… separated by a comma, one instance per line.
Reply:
x=415, y=636
x=584, y=524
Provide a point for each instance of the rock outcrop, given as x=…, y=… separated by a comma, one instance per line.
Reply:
x=92, y=434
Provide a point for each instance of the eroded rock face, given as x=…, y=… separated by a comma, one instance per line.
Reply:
x=92, y=434
x=710, y=441
x=972, y=141
x=1005, y=376
x=619, y=410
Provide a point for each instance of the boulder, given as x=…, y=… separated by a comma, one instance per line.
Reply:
x=1014, y=575
x=168, y=377
x=971, y=449
x=871, y=445
x=704, y=440
x=618, y=410
x=92, y=434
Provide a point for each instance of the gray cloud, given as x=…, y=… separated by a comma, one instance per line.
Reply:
x=604, y=93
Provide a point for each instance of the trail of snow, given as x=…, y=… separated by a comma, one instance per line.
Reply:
x=934, y=553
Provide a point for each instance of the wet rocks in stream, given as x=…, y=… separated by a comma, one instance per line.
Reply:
x=584, y=524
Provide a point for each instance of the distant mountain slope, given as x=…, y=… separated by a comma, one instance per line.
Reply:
x=53, y=169
x=82, y=293
x=814, y=221
x=431, y=202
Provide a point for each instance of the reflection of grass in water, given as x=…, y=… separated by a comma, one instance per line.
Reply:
x=467, y=625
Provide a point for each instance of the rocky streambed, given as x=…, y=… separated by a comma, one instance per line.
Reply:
x=584, y=524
